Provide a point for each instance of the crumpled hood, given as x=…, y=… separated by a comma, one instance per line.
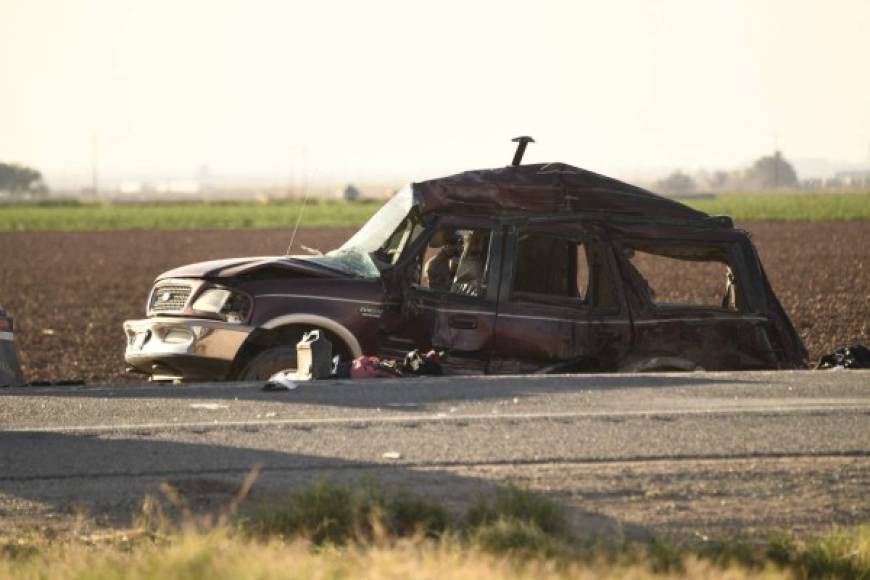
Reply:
x=231, y=267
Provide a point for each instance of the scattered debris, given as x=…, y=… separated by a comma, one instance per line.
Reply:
x=283, y=381
x=856, y=356
x=415, y=363
x=392, y=455
x=372, y=367
x=48, y=332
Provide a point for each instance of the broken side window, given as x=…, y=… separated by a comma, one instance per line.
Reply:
x=455, y=261
x=403, y=236
x=557, y=268
x=679, y=275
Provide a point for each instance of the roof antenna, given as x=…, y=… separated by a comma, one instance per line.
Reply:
x=521, y=148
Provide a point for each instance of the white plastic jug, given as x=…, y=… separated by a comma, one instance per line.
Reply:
x=313, y=356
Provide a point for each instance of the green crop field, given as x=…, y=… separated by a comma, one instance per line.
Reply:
x=321, y=214
x=182, y=215
x=809, y=207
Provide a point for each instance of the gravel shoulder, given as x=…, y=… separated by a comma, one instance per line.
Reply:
x=688, y=455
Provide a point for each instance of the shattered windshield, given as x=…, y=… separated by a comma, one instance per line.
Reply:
x=349, y=261
x=354, y=257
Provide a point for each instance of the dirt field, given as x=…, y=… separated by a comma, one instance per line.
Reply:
x=70, y=291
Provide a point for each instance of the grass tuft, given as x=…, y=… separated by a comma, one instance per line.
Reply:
x=513, y=504
x=517, y=538
x=327, y=513
x=408, y=514
x=840, y=554
x=321, y=513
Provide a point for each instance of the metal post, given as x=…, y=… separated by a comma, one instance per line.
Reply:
x=521, y=149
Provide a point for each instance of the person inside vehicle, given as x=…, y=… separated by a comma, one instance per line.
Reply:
x=470, y=272
x=441, y=269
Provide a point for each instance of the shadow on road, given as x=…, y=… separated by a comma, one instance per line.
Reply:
x=107, y=477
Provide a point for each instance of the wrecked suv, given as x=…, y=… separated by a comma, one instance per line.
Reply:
x=561, y=270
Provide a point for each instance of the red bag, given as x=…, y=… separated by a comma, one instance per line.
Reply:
x=371, y=367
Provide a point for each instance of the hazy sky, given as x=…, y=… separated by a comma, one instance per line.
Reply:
x=413, y=89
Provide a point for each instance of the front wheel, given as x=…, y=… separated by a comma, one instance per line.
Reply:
x=268, y=362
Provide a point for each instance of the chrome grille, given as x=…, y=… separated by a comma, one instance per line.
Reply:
x=169, y=298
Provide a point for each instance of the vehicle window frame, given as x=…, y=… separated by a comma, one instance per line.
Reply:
x=589, y=243
x=728, y=249
x=605, y=252
x=417, y=249
x=407, y=240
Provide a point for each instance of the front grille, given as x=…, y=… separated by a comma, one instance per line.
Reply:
x=169, y=298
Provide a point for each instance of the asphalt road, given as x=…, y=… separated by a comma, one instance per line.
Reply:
x=699, y=454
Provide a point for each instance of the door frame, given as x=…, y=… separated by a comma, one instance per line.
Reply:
x=406, y=301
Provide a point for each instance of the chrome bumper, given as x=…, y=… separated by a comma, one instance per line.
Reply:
x=183, y=348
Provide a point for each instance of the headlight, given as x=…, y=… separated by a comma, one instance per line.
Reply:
x=229, y=305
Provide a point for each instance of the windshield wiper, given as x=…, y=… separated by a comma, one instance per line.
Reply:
x=310, y=250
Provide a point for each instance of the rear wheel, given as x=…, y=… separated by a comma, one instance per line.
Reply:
x=268, y=362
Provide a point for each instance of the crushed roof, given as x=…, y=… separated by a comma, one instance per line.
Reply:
x=549, y=188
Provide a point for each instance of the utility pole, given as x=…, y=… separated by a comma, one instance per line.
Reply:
x=776, y=157
x=291, y=172
x=305, y=174
x=95, y=181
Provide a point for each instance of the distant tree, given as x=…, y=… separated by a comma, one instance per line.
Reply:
x=351, y=193
x=719, y=179
x=771, y=172
x=677, y=183
x=18, y=179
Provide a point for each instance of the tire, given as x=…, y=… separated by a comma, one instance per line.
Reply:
x=268, y=362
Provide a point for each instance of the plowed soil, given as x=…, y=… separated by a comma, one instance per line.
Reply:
x=69, y=292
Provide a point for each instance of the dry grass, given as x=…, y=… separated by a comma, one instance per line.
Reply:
x=374, y=534
x=220, y=555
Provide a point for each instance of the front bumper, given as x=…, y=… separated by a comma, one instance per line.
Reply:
x=193, y=349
